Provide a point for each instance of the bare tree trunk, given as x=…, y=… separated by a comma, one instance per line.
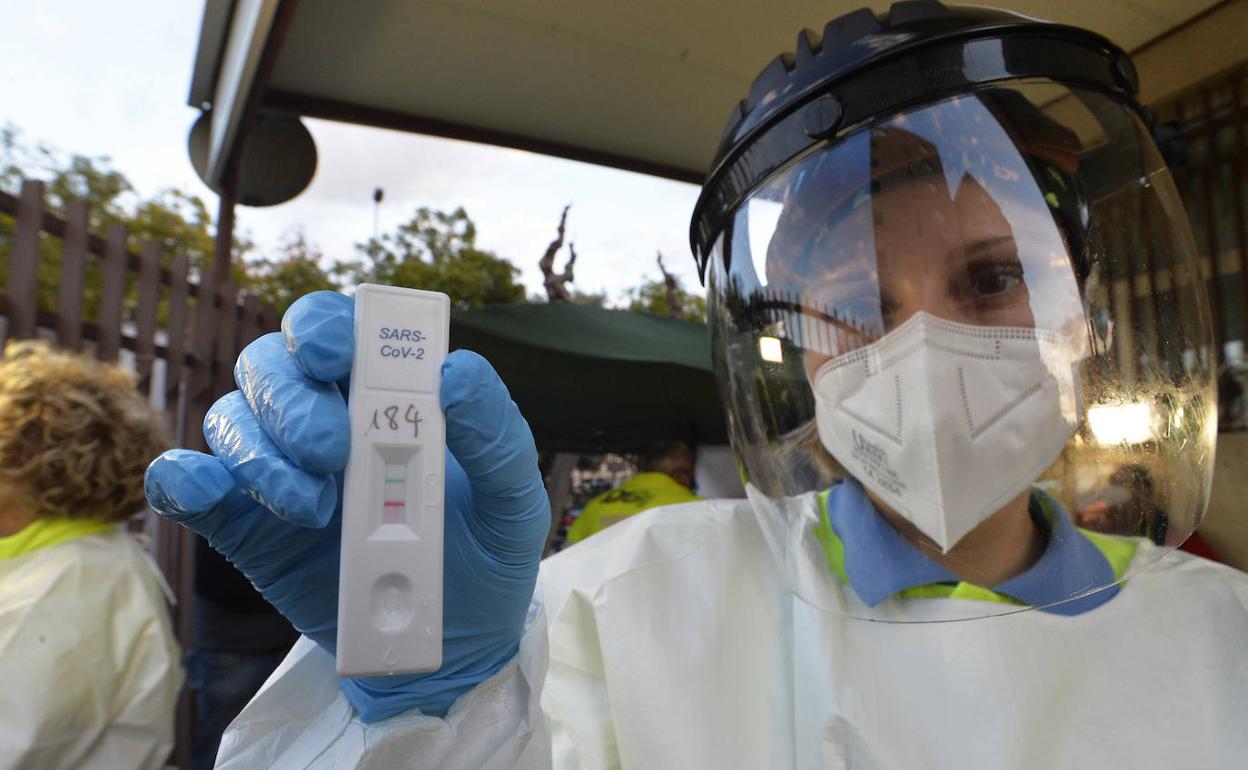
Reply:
x=559, y=489
x=674, y=306
x=557, y=283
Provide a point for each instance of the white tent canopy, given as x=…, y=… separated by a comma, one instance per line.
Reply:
x=645, y=85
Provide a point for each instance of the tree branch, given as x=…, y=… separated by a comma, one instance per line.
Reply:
x=674, y=305
x=557, y=283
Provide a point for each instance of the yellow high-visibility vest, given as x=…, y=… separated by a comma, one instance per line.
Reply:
x=645, y=490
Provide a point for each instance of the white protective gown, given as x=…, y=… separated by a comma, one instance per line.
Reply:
x=674, y=643
x=89, y=668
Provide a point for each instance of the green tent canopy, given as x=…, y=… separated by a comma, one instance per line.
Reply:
x=594, y=380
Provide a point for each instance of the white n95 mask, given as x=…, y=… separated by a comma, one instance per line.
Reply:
x=947, y=422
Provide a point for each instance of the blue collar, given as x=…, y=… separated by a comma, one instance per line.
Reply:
x=879, y=562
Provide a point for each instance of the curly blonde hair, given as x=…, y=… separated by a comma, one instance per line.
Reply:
x=75, y=435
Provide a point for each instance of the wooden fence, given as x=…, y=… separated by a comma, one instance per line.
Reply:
x=180, y=333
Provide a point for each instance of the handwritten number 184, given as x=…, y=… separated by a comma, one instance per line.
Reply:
x=388, y=419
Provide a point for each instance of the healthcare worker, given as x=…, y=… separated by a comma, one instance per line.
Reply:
x=923, y=235
x=666, y=478
x=89, y=669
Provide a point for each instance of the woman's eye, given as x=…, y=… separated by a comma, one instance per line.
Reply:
x=996, y=280
x=996, y=283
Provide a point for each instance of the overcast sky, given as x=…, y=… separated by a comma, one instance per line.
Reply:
x=111, y=78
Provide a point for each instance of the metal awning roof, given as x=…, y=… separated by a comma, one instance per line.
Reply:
x=644, y=85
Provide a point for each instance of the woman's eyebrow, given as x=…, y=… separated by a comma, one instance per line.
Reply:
x=976, y=248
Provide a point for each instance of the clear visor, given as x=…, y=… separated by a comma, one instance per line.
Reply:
x=966, y=352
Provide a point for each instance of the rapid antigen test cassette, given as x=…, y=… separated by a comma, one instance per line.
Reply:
x=390, y=584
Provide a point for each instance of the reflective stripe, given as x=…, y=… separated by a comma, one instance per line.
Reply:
x=833, y=548
x=962, y=590
x=42, y=533
x=1117, y=551
x=645, y=490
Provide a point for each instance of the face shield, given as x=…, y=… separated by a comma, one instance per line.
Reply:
x=947, y=337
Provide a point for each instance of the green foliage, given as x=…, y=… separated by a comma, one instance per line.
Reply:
x=589, y=298
x=180, y=222
x=105, y=190
x=17, y=159
x=651, y=297
x=80, y=177
x=437, y=251
x=295, y=271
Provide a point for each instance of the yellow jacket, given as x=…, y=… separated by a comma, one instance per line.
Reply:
x=645, y=490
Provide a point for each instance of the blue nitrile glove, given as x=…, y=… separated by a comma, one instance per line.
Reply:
x=269, y=499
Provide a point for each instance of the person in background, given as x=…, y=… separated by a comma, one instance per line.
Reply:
x=87, y=655
x=238, y=640
x=666, y=478
x=715, y=474
x=1128, y=505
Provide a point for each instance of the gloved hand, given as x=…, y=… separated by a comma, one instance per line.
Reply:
x=269, y=499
